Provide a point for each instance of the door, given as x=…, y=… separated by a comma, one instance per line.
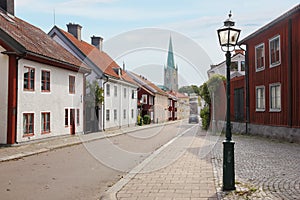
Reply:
x=72, y=121
x=239, y=104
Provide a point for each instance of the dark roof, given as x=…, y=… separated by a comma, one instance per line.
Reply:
x=23, y=38
x=272, y=23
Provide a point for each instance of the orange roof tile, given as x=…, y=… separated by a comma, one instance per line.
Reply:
x=100, y=58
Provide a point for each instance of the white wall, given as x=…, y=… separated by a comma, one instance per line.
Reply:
x=160, y=108
x=120, y=103
x=3, y=96
x=54, y=102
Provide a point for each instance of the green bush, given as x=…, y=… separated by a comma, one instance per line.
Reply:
x=147, y=119
x=205, y=115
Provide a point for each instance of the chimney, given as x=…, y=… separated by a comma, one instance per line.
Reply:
x=123, y=66
x=75, y=30
x=8, y=6
x=97, y=42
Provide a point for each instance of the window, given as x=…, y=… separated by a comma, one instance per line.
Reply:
x=28, y=124
x=45, y=81
x=45, y=122
x=108, y=90
x=242, y=66
x=234, y=66
x=29, y=75
x=124, y=113
x=275, y=97
x=107, y=115
x=72, y=84
x=66, y=117
x=260, y=57
x=144, y=99
x=78, y=117
x=151, y=100
x=133, y=94
x=125, y=92
x=274, y=45
x=115, y=114
x=115, y=91
x=260, y=98
x=132, y=113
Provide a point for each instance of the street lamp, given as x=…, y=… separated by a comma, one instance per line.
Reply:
x=228, y=37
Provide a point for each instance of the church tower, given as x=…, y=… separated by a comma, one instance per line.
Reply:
x=171, y=71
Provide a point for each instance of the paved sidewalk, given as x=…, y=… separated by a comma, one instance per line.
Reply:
x=181, y=169
x=40, y=146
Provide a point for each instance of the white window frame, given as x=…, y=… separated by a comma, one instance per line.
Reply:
x=107, y=115
x=264, y=54
x=144, y=99
x=115, y=114
x=108, y=90
x=264, y=99
x=271, y=97
x=115, y=91
x=278, y=62
x=124, y=114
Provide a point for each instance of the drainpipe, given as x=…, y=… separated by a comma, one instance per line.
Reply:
x=103, y=110
x=290, y=77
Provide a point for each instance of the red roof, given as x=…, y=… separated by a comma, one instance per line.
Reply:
x=100, y=58
x=18, y=33
x=177, y=94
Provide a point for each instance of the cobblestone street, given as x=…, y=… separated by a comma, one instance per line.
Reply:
x=264, y=168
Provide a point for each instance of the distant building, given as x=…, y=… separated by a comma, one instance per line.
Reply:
x=237, y=67
x=171, y=71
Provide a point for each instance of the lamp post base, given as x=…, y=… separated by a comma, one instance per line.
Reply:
x=228, y=166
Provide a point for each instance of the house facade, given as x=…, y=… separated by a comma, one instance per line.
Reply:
x=182, y=105
x=273, y=77
x=42, y=84
x=119, y=107
x=237, y=67
x=151, y=99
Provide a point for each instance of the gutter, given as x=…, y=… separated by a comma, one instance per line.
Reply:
x=103, y=110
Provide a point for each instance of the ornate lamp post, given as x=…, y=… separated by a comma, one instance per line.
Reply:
x=228, y=37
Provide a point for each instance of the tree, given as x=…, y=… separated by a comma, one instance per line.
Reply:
x=189, y=89
x=96, y=92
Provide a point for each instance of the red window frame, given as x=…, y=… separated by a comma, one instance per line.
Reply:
x=45, y=81
x=28, y=120
x=45, y=120
x=30, y=79
x=72, y=84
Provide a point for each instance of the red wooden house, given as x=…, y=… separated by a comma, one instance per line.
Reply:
x=272, y=77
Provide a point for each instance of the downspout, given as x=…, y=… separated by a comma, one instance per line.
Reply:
x=290, y=77
x=247, y=90
x=103, y=110
x=84, y=102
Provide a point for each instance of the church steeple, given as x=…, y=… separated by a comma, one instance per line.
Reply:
x=171, y=71
x=170, y=61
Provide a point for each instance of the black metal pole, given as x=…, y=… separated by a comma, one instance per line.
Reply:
x=228, y=144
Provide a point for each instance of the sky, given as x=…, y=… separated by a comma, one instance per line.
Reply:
x=137, y=32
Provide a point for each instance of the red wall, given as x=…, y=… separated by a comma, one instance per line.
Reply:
x=276, y=74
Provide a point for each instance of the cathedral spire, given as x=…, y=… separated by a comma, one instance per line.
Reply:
x=170, y=62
